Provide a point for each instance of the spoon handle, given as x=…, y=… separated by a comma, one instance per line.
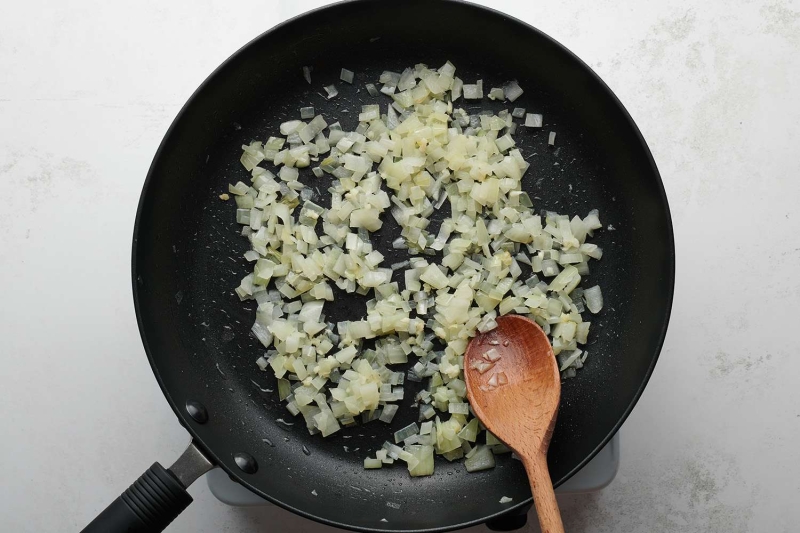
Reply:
x=543, y=495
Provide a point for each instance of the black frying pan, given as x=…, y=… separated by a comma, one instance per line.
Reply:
x=187, y=258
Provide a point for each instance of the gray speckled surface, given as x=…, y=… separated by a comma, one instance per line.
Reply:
x=87, y=91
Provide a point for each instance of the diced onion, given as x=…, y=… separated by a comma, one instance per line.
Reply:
x=331, y=90
x=482, y=459
x=403, y=162
x=496, y=93
x=372, y=463
x=594, y=299
x=532, y=120
x=512, y=91
x=403, y=434
x=346, y=76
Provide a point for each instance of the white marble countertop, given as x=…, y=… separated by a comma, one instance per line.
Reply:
x=87, y=89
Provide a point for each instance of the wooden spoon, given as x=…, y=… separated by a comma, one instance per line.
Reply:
x=520, y=403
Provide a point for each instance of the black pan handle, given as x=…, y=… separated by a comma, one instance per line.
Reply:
x=155, y=499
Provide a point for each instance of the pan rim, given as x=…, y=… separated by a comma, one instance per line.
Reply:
x=669, y=281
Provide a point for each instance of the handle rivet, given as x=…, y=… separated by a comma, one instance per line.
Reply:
x=197, y=411
x=246, y=463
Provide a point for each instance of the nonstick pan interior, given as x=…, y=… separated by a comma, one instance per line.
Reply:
x=188, y=254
